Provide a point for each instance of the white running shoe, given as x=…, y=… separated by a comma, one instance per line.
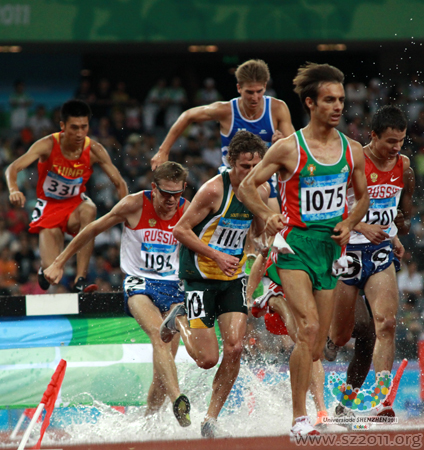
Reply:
x=330, y=350
x=303, y=427
x=169, y=327
x=260, y=305
x=384, y=410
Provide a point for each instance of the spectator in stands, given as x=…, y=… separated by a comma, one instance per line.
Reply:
x=8, y=271
x=19, y=102
x=154, y=104
x=208, y=94
x=103, y=102
x=410, y=281
x=99, y=269
x=211, y=153
x=31, y=286
x=17, y=220
x=376, y=95
x=104, y=134
x=84, y=92
x=357, y=130
x=40, y=124
x=415, y=97
x=120, y=96
x=176, y=101
x=356, y=95
x=6, y=237
x=6, y=152
x=136, y=158
x=409, y=327
x=419, y=170
x=416, y=132
x=270, y=89
x=118, y=127
x=417, y=250
x=25, y=259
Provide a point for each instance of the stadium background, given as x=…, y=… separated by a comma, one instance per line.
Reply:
x=140, y=63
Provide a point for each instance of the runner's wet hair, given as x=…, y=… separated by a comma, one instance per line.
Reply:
x=310, y=77
x=74, y=108
x=170, y=171
x=388, y=116
x=245, y=142
x=252, y=71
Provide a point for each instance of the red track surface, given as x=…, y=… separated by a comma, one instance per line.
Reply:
x=395, y=439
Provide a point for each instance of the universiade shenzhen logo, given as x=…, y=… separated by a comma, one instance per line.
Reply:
x=357, y=399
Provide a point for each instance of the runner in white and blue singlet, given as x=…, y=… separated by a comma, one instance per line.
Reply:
x=267, y=117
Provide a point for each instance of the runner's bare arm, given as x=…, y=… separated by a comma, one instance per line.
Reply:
x=121, y=212
x=249, y=195
x=258, y=225
x=39, y=150
x=406, y=199
x=359, y=183
x=100, y=156
x=206, y=201
x=398, y=248
x=215, y=111
x=256, y=274
x=284, y=123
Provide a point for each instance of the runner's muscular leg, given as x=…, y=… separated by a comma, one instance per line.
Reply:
x=297, y=287
x=233, y=329
x=325, y=305
x=165, y=380
x=51, y=244
x=279, y=305
x=343, y=320
x=382, y=293
x=84, y=214
x=364, y=332
x=201, y=343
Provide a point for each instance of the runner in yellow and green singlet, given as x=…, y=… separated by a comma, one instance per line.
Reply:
x=212, y=234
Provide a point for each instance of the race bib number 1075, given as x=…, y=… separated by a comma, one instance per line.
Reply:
x=322, y=199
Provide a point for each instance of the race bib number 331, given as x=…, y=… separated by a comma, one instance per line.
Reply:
x=60, y=188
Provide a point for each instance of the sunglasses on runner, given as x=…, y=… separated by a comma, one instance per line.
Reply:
x=166, y=193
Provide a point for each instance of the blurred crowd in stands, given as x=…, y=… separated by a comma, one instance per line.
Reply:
x=131, y=130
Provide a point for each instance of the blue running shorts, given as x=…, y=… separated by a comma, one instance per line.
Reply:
x=368, y=259
x=163, y=293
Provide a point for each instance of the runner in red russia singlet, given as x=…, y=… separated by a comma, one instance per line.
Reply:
x=384, y=189
x=150, y=250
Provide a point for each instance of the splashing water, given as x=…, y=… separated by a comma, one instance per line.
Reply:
x=258, y=405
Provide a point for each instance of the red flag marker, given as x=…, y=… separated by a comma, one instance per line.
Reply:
x=395, y=384
x=48, y=401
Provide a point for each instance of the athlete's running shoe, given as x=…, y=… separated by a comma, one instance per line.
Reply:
x=303, y=427
x=181, y=408
x=384, y=410
x=260, y=305
x=42, y=282
x=330, y=350
x=343, y=412
x=208, y=429
x=83, y=286
x=169, y=326
x=320, y=424
x=275, y=324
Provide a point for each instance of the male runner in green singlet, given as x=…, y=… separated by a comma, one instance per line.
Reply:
x=315, y=166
